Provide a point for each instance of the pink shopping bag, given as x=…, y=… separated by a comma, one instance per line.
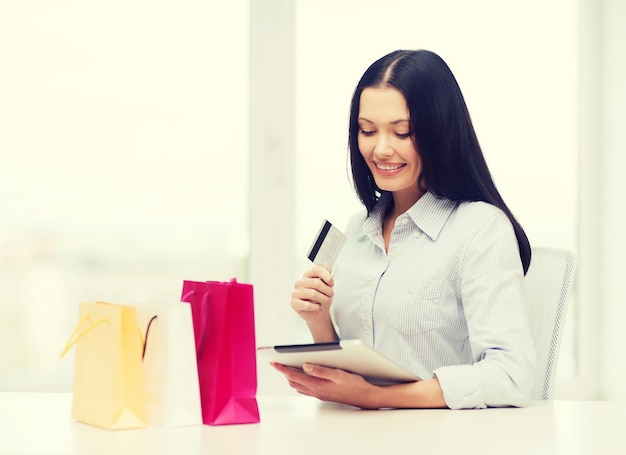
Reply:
x=223, y=320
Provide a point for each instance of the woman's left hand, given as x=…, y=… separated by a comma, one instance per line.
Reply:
x=331, y=384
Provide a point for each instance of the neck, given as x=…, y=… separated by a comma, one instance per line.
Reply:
x=403, y=201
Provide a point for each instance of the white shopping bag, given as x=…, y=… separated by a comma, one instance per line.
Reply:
x=169, y=364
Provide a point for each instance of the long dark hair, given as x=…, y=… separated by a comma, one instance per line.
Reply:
x=453, y=165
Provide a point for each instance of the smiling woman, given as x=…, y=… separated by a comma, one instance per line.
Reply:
x=431, y=274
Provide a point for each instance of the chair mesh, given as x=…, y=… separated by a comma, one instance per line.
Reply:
x=559, y=319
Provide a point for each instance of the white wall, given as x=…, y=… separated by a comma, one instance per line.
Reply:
x=612, y=238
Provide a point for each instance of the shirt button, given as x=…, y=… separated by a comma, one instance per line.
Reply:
x=392, y=255
x=417, y=234
x=404, y=221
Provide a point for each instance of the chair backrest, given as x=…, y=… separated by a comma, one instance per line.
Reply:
x=547, y=288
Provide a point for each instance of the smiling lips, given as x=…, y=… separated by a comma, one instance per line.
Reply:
x=389, y=169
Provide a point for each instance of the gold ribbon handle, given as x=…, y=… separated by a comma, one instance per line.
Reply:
x=77, y=334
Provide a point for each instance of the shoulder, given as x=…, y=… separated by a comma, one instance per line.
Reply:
x=356, y=221
x=475, y=226
x=480, y=215
x=478, y=209
x=487, y=238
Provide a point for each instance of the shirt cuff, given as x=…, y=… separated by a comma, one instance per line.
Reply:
x=462, y=386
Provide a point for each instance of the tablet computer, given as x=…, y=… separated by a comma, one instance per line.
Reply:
x=350, y=355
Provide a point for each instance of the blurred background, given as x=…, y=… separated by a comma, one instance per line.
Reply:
x=147, y=142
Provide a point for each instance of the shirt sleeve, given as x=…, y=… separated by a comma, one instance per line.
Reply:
x=491, y=277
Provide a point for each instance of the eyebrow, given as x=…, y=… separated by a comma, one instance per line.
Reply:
x=395, y=122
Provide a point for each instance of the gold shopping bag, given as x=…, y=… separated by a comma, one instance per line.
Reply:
x=108, y=390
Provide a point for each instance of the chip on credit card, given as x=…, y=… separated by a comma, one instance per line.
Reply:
x=327, y=245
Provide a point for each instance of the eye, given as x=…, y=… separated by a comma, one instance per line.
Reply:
x=404, y=135
x=367, y=132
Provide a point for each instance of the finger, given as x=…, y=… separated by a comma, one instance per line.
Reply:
x=295, y=376
x=321, y=273
x=311, y=295
x=286, y=370
x=300, y=388
x=318, y=371
x=314, y=283
x=305, y=306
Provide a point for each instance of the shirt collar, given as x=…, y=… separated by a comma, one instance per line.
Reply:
x=429, y=214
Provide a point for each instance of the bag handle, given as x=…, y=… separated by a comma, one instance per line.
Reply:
x=204, y=316
x=145, y=339
x=77, y=334
x=202, y=319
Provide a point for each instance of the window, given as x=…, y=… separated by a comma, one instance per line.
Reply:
x=123, y=151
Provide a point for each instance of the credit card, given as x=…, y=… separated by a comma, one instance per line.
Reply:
x=327, y=245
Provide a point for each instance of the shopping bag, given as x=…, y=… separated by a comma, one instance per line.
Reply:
x=223, y=319
x=108, y=388
x=169, y=364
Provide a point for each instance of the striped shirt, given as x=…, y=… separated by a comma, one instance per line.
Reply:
x=444, y=301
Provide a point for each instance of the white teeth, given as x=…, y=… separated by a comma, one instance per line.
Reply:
x=389, y=167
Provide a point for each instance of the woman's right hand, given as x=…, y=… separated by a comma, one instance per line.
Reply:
x=312, y=295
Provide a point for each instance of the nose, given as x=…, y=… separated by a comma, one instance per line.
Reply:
x=383, y=147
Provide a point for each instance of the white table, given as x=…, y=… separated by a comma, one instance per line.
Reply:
x=39, y=423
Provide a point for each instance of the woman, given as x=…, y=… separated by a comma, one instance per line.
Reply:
x=431, y=274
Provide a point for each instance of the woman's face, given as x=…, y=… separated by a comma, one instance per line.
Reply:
x=385, y=141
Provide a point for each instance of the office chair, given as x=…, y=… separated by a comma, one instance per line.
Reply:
x=547, y=287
